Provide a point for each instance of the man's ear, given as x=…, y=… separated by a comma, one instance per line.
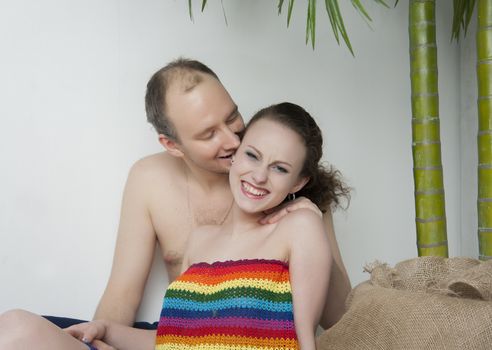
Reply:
x=172, y=146
x=300, y=184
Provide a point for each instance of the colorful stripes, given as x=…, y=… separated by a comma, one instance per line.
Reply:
x=244, y=304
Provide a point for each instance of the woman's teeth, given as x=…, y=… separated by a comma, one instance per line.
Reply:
x=254, y=191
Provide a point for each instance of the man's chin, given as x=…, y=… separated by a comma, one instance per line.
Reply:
x=224, y=164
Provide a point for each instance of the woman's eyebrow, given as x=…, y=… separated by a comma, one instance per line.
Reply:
x=277, y=161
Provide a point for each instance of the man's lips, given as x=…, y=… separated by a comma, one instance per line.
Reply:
x=252, y=191
x=226, y=157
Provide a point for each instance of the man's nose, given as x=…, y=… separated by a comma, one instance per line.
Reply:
x=231, y=140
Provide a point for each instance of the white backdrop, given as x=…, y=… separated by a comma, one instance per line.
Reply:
x=73, y=78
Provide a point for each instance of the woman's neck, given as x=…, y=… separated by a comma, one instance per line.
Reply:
x=240, y=222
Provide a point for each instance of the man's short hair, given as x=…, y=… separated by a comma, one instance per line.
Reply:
x=182, y=70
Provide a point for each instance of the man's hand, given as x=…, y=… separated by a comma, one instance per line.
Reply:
x=275, y=214
x=90, y=333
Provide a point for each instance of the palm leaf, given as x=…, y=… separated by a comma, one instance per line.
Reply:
x=381, y=2
x=337, y=25
x=332, y=9
x=223, y=11
x=358, y=6
x=331, y=16
x=280, y=5
x=289, y=14
x=311, y=22
x=190, y=9
x=289, y=10
x=462, y=13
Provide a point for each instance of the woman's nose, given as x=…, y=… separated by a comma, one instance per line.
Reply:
x=260, y=174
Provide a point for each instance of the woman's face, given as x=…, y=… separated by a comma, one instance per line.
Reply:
x=267, y=165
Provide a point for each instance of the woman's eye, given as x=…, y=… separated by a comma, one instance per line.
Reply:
x=280, y=169
x=251, y=155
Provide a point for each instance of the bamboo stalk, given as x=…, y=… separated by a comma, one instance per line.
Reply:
x=484, y=138
x=426, y=144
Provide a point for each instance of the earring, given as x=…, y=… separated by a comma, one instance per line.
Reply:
x=291, y=196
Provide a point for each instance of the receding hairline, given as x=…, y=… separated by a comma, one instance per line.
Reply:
x=184, y=80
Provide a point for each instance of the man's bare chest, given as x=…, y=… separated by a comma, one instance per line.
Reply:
x=173, y=223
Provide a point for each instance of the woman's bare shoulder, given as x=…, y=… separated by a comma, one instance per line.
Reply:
x=301, y=224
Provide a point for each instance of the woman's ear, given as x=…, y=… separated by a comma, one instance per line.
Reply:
x=171, y=146
x=300, y=184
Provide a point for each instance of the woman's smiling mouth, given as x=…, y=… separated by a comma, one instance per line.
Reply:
x=253, y=192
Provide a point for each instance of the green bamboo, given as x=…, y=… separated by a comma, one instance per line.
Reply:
x=484, y=139
x=426, y=144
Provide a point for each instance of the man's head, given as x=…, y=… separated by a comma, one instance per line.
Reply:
x=182, y=71
x=194, y=115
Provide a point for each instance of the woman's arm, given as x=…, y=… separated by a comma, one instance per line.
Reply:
x=310, y=261
x=339, y=281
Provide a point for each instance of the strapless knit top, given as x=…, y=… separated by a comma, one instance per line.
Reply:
x=243, y=304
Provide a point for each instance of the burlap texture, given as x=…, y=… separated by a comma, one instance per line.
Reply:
x=422, y=303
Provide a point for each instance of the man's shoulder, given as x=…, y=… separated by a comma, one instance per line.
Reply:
x=159, y=164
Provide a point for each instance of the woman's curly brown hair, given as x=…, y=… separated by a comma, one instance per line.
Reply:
x=325, y=187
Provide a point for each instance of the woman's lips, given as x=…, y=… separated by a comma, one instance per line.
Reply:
x=252, y=191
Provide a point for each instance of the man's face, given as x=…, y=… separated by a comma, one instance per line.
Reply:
x=207, y=122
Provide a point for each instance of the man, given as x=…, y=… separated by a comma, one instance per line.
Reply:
x=168, y=194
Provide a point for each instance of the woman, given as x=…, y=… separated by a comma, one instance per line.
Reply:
x=243, y=282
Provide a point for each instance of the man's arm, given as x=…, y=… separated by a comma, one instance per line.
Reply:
x=133, y=254
x=339, y=280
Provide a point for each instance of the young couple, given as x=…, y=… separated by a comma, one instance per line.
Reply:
x=247, y=279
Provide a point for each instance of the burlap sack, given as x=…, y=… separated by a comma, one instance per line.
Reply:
x=422, y=303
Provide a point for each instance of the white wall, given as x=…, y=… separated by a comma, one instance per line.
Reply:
x=468, y=142
x=73, y=122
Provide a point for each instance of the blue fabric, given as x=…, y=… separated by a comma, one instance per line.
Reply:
x=91, y=347
x=64, y=322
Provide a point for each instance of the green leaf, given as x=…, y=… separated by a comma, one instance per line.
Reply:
x=280, y=5
x=381, y=2
x=223, y=11
x=289, y=13
x=334, y=15
x=190, y=9
x=307, y=21
x=204, y=2
x=462, y=13
x=311, y=22
x=337, y=24
x=358, y=6
x=334, y=27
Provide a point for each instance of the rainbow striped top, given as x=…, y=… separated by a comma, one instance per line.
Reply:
x=243, y=304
